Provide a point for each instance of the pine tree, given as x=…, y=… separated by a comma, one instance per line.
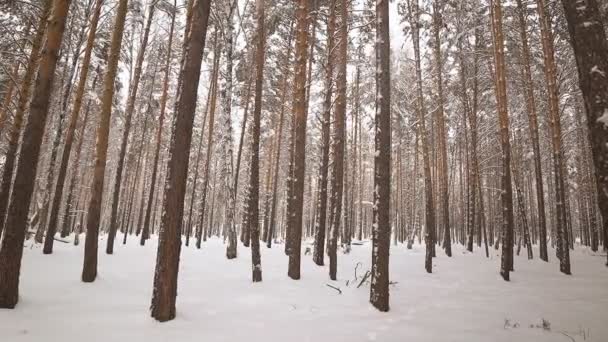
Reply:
x=591, y=52
x=321, y=215
x=253, y=203
x=381, y=230
x=298, y=157
x=89, y=270
x=67, y=147
x=337, y=171
x=550, y=70
x=506, y=264
x=11, y=248
x=127, y=129
x=169, y=242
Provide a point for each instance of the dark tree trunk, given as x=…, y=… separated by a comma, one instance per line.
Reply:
x=67, y=147
x=337, y=172
x=381, y=231
x=127, y=129
x=169, y=243
x=253, y=205
x=591, y=51
x=321, y=215
x=89, y=271
x=295, y=210
x=503, y=119
x=22, y=105
x=11, y=249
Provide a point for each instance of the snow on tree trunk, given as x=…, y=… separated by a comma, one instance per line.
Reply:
x=381, y=230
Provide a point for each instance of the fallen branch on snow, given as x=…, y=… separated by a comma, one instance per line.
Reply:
x=335, y=288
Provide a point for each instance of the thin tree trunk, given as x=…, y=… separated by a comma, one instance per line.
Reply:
x=321, y=217
x=503, y=118
x=127, y=129
x=89, y=271
x=295, y=210
x=161, y=119
x=67, y=147
x=337, y=172
x=381, y=231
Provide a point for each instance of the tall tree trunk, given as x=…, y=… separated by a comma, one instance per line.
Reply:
x=381, y=231
x=321, y=217
x=67, y=147
x=503, y=118
x=591, y=51
x=11, y=249
x=169, y=243
x=337, y=171
x=556, y=136
x=89, y=271
x=298, y=164
x=127, y=129
x=421, y=109
x=275, y=178
x=22, y=105
x=210, y=137
x=67, y=226
x=533, y=125
x=443, y=140
x=159, y=135
x=253, y=205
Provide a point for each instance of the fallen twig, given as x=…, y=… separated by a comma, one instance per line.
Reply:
x=335, y=288
x=367, y=274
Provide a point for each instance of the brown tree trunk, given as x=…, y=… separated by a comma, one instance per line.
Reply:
x=591, y=51
x=67, y=147
x=556, y=136
x=295, y=212
x=169, y=243
x=253, y=207
x=337, y=171
x=381, y=231
x=89, y=270
x=533, y=124
x=125, y=137
x=503, y=119
x=275, y=178
x=22, y=105
x=159, y=135
x=428, y=188
x=321, y=217
x=443, y=140
x=210, y=137
x=11, y=249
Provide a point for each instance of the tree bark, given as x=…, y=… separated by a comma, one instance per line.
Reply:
x=69, y=139
x=321, y=217
x=588, y=38
x=381, y=231
x=22, y=105
x=295, y=211
x=89, y=270
x=11, y=249
x=337, y=172
x=169, y=244
x=127, y=129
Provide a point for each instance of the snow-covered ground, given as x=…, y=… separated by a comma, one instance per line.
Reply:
x=464, y=300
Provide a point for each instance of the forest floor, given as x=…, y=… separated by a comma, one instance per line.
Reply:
x=463, y=300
